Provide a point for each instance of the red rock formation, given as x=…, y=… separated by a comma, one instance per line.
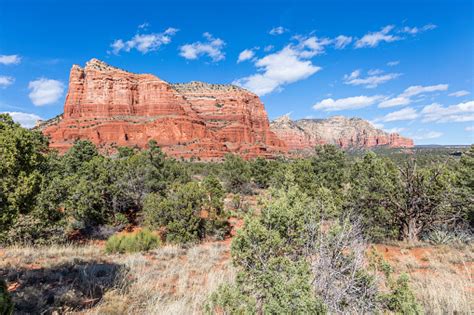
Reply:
x=294, y=136
x=113, y=107
x=338, y=130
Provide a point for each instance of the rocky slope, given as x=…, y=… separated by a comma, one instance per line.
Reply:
x=345, y=132
x=112, y=107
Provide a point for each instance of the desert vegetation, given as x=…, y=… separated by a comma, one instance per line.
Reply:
x=137, y=232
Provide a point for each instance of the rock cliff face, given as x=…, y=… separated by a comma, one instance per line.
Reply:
x=112, y=107
x=295, y=137
x=345, y=132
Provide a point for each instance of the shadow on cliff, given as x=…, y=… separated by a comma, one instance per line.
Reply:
x=72, y=286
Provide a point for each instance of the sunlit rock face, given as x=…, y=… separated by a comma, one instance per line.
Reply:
x=344, y=132
x=112, y=107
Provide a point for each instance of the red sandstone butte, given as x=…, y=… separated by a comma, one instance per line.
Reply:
x=112, y=107
x=344, y=132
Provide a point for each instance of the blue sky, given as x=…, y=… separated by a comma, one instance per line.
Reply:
x=406, y=66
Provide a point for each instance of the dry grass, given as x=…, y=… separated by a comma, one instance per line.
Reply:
x=175, y=280
x=169, y=280
x=441, y=276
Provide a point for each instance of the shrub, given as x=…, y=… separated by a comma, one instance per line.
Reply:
x=144, y=240
x=446, y=237
x=237, y=174
x=401, y=299
x=269, y=254
x=262, y=171
x=228, y=299
x=22, y=168
x=340, y=275
x=181, y=213
x=32, y=230
x=6, y=303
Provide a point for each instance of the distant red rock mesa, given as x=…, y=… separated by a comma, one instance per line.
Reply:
x=338, y=130
x=112, y=107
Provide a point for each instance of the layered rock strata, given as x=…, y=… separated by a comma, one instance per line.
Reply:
x=112, y=107
x=344, y=132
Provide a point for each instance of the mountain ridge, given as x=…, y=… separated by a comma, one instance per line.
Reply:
x=346, y=132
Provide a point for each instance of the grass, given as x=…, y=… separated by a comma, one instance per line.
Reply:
x=178, y=280
x=143, y=240
x=165, y=280
x=441, y=276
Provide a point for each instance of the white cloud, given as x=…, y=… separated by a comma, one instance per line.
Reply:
x=347, y=103
x=309, y=47
x=268, y=48
x=373, y=80
x=286, y=66
x=212, y=48
x=460, y=93
x=376, y=124
x=393, y=63
x=10, y=59
x=45, y=91
x=374, y=38
x=144, y=43
x=405, y=97
x=396, y=101
x=24, y=119
x=426, y=135
x=374, y=72
x=144, y=25
x=403, y=114
x=394, y=130
x=461, y=112
x=6, y=81
x=415, y=30
x=418, y=89
x=277, y=30
x=245, y=55
x=342, y=41
x=469, y=128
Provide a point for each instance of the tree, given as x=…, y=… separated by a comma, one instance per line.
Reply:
x=82, y=151
x=89, y=199
x=465, y=186
x=426, y=200
x=329, y=166
x=237, y=174
x=179, y=212
x=262, y=171
x=374, y=181
x=404, y=202
x=22, y=156
x=215, y=193
x=269, y=254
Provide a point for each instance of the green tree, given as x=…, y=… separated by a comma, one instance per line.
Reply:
x=262, y=171
x=82, y=151
x=404, y=202
x=22, y=156
x=465, y=186
x=237, y=174
x=329, y=166
x=426, y=200
x=269, y=254
x=214, y=200
x=374, y=183
x=179, y=212
x=89, y=192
